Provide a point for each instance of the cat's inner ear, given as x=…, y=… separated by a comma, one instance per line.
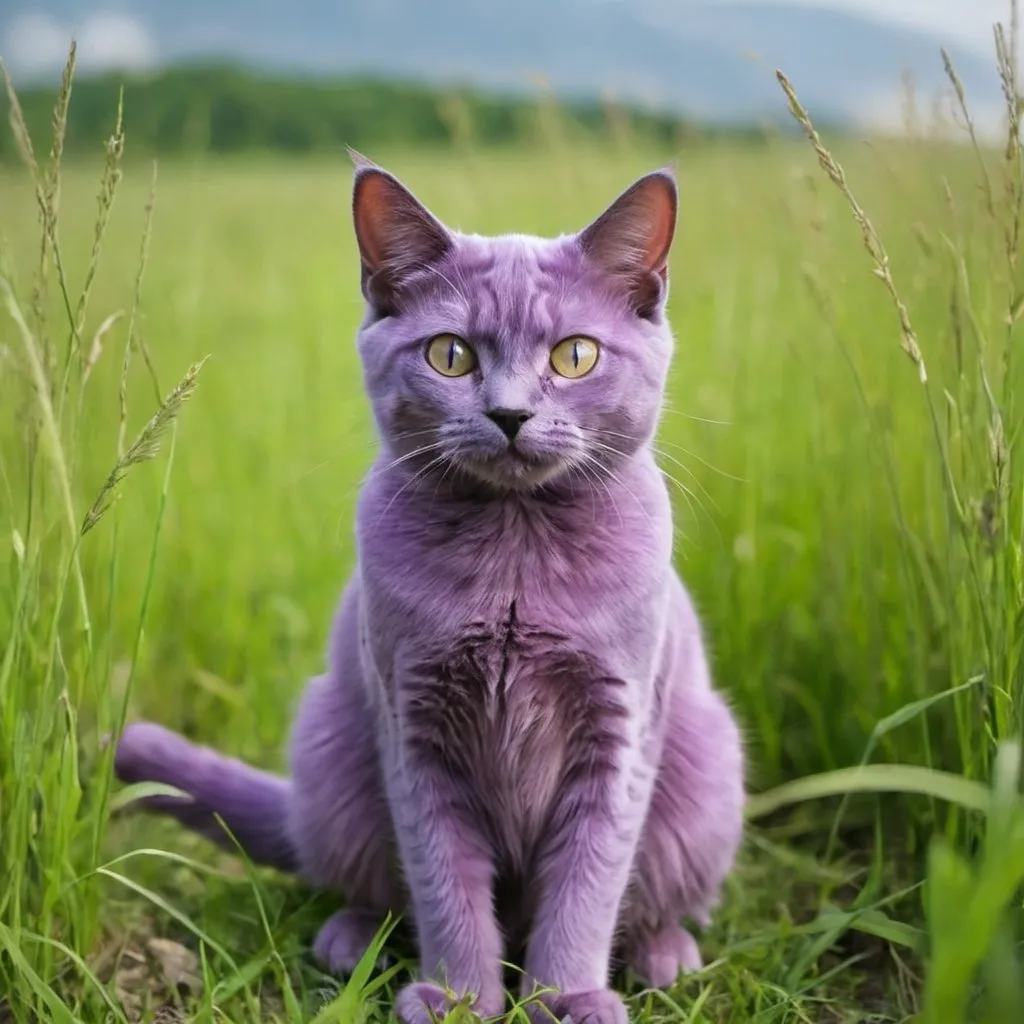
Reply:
x=397, y=236
x=631, y=240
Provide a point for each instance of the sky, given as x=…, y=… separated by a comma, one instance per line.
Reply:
x=112, y=37
x=966, y=21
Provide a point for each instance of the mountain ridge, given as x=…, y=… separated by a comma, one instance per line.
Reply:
x=692, y=58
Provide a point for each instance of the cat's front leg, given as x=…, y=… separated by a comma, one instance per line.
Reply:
x=449, y=871
x=584, y=872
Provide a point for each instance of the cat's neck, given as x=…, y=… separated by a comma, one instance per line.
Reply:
x=449, y=529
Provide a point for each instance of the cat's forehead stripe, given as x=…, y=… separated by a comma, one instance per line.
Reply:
x=512, y=287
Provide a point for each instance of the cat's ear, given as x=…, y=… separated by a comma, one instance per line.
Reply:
x=397, y=235
x=631, y=240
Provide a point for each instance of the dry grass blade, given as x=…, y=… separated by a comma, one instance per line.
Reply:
x=1006, y=61
x=873, y=244
x=47, y=189
x=133, y=337
x=50, y=192
x=1007, y=54
x=146, y=446
x=96, y=348
x=147, y=232
x=60, y=127
x=109, y=181
x=23, y=140
x=20, y=130
x=961, y=99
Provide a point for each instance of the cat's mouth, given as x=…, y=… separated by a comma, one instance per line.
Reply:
x=514, y=469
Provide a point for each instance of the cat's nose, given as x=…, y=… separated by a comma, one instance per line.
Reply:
x=509, y=420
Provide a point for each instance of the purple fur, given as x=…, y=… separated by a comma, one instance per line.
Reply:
x=516, y=742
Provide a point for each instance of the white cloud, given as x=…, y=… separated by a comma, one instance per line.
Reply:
x=115, y=41
x=36, y=45
x=969, y=22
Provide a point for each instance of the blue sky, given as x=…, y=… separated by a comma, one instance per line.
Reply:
x=110, y=34
x=967, y=21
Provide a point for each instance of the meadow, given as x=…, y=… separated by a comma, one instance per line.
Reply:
x=849, y=494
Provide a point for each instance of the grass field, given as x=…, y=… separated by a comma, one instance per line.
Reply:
x=852, y=536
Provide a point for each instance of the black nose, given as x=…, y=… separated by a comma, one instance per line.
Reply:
x=510, y=420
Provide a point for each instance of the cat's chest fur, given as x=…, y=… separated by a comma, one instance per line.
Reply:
x=514, y=710
x=511, y=639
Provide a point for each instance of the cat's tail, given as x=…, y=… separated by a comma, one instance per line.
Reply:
x=252, y=804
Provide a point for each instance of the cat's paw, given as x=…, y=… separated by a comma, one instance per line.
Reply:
x=417, y=1002
x=344, y=938
x=601, y=1006
x=423, y=1002
x=659, y=959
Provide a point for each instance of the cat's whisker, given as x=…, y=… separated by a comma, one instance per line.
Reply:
x=352, y=446
x=704, y=462
x=603, y=471
x=617, y=453
x=574, y=473
x=589, y=460
x=693, y=476
x=668, y=410
x=611, y=449
x=674, y=444
x=451, y=464
x=586, y=480
x=690, y=497
x=418, y=475
x=685, y=491
x=317, y=467
x=609, y=472
x=639, y=504
x=447, y=280
x=360, y=444
x=406, y=435
x=422, y=450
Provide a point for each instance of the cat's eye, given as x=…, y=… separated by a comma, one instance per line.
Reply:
x=450, y=355
x=574, y=357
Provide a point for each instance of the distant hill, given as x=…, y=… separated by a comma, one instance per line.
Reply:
x=227, y=110
x=687, y=56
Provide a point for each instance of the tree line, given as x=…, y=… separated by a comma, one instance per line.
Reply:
x=222, y=109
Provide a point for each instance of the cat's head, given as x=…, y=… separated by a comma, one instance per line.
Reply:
x=515, y=360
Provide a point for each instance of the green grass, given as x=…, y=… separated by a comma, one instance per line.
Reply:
x=852, y=536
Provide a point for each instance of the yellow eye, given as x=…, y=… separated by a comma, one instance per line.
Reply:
x=574, y=357
x=450, y=355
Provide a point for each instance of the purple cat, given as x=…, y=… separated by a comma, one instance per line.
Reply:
x=516, y=742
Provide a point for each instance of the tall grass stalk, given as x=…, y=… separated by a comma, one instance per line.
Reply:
x=980, y=580
x=51, y=822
